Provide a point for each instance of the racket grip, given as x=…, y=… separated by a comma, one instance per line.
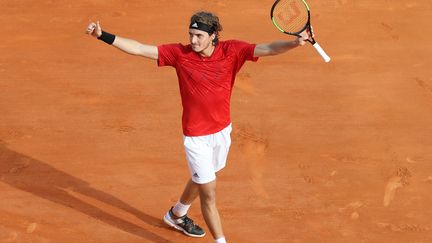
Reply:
x=321, y=52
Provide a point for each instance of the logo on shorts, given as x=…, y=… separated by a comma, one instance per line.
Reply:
x=196, y=175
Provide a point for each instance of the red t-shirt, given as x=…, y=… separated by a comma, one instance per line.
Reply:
x=206, y=82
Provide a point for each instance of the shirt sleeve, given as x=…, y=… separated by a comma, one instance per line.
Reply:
x=245, y=51
x=167, y=54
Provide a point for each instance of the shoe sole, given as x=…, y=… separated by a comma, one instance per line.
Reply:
x=170, y=223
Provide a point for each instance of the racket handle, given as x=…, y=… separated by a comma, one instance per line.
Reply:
x=321, y=52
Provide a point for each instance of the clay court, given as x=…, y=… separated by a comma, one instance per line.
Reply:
x=91, y=141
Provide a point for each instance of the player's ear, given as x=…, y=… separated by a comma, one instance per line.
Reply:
x=214, y=39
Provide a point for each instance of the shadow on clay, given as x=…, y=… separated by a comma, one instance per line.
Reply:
x=42, y=180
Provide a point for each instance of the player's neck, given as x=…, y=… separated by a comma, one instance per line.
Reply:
x=208, y=51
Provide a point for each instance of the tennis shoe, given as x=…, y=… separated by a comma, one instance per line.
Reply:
x=184, y=224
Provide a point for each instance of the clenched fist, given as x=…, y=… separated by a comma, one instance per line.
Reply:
x=94, y=29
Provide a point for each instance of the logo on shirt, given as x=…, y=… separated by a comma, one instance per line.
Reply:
x=196, y=175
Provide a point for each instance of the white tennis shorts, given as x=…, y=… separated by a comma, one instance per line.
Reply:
x=207, y=154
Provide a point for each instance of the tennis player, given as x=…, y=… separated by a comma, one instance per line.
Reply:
x=206, y=69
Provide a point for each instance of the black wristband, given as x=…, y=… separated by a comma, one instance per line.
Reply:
x=107, y=37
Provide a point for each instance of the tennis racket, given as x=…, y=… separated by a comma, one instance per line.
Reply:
x=292, y=17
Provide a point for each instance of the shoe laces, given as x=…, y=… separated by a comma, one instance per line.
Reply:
x=188, y=222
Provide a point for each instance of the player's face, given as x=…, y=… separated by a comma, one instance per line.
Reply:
x=200, y=40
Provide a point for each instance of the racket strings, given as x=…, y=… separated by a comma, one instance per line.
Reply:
x=291, y=15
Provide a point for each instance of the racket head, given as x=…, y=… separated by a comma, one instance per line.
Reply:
x=290, y=16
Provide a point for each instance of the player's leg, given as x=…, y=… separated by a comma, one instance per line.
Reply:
x=206, y=155
x=199, y=156
x=190, y=193
x=221, y=145
x=177, y=217
x=209, y=210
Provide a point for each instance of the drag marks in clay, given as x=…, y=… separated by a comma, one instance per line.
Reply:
x=352, y=209
x=18, y=168
x=400, y=179
x=31, y=228
x=244, y=83
x=120, y=127
x=403, y=227
x=388, y=29
x=423, y=85
x=253, y=149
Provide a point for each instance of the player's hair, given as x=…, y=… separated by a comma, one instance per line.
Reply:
x=210, y=19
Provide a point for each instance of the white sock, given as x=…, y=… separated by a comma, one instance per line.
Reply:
x=180, y=209
x=220, y=240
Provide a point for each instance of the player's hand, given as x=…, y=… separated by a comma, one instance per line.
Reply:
x=305, y=35
x=94, y=29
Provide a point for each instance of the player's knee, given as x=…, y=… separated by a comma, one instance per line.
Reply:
x=208, y=197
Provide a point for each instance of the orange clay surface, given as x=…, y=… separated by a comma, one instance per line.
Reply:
x=91, y=141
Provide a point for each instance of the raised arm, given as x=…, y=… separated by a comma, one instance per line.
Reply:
x=129, y=46
x=279, y=47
